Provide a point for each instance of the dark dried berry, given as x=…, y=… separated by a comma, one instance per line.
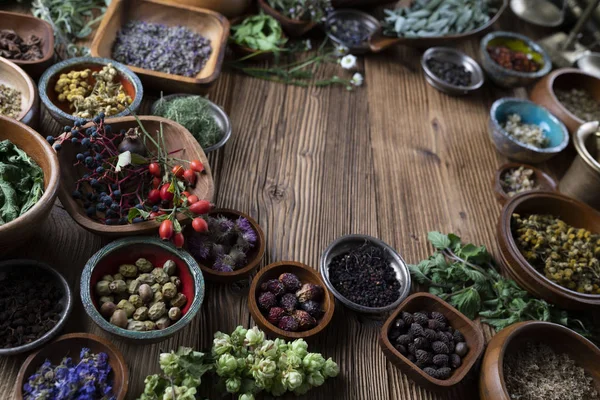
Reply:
x=458, y=337
x=402, y=349
x=420, y=318
x=462, y=349
x=441, y=360
x=451, y=347
x=416, y=329
x=442, y=337
x=393, y=334
x=449, y=336
x=313, y=308
x=444, y=373
x=290, y=282
x=404, y=340
x=430, y=334
x=455, y=361
x=310, y=291
x=399, y=324
x=431, y=372
x=267, y=300
x=275, y=315
x=434, y=324
x=439, y=317
x=407, y=318
x=421, y=343
x=273, y=286
x=288, y=323
x=411, y=348
x=289, y=302
x=411, y=358
x=423, y=356
x=305, y=320
x=440, y=348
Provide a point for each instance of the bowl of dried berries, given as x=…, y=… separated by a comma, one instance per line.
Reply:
x=289, y=300
x=512, y=60
x=451, y=71
x=514, y=178
x=539, y=361
x=142, y=289
x=431, y=342
x=365, y=274
x=83, y=87
x=526, y=132
x=35, y=302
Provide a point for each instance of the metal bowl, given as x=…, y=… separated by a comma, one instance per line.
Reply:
x=348, y=15
x=542, y=13
x=346, y=243
x=589, y=63
x=456, y=57
x=66, y=301
x=218, y=114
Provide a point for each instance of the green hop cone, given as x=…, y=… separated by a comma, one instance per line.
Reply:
x=154, y=384
x=292, y=379
x=268, y=349
x=246, y=396
x=331, y=369
x=300, y=347
x=226, y=365
x=289, y=359
x=282, y=345
x=238, y=336
x=313, y=362
x=221, y=344
x=169, y=363
x=254, y=337
x=316, y=379
x=302, y=389
x=277, y=388
x=233, y=384
x=179, y=393
x=264, y=370
x=191, y=381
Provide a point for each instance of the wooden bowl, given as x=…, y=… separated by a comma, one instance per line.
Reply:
x=176, y=138
x=543, y=93
x=544, y=181
x=472, y=333
x=229, y=8
x=210, y=24
x=569, y=210
x=245, y=51
x=254, y=256
x=25, y=25
x=293, y=27
x=126, y=251
x=13, y=76
x=561, y=339
x=306, y=274
x=379, y=41
x=71, y=345
x=32, y=143
x=61, y=111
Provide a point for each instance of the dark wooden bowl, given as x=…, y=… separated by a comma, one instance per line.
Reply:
x=379, y=41
x=25, y=25
x=176, y=138
x=571, y=211
x=359, y=3
x=32, y=143
x=561, y=339
x=245, y=51
x=544, y=181
x=293, y=27
x=565, y=79
x=15, y=77
x=306, y=274
x=427, y=302
x=254, y=256
x=71, y=345
x=210, y=24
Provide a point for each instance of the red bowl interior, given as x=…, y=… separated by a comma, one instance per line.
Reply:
x=109, y=265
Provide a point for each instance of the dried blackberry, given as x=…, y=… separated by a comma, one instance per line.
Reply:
x=407, y=318
x=421, y=343
x=439, y=317
x=423, y=357
x=404, y=340
x=430, y=335
x=402, y=349
x=420, y=318
x=431, y=372
x=416, y=329
x=444, y=373
x=411, y=348
x=455, y=361
x=399, y=324
x=441, y=360
x=458, y=337
x=440, y=348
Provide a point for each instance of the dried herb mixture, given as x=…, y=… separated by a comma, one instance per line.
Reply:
x=580, y=102
x=303, y=10
x=10, y=101
x=530, y=134
x=518, y=180
x=14, y=47
x=539, y=373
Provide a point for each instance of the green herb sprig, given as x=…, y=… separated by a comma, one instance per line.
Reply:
x=465, y=275
x=259, y=32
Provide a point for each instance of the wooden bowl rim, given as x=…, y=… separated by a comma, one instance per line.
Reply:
x=296, y=22
x=54, y=172
x=163, y=75
x=87, y=336
x=550, y=88
x=98, y=228
x=523, y=327
x=31, y=88
x=459, y=373
x=49, y=36
x=545, y=181
x=522, y=264
x=186, y=319
x=252, y=265
x=257, y=315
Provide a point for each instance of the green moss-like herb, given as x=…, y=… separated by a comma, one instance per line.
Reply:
x=194, y=113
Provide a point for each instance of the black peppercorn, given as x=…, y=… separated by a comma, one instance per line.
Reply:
x=451, y=73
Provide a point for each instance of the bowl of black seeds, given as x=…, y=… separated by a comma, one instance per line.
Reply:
x=365, y=274
x=35, y=302
x=451, y=71
x=352, y=29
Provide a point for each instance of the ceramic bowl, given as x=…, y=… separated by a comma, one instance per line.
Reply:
x=457, y=57
x=508, y=78
x=70, y=345
x=492, y=385
x=25, y=25
x=543, y=181
x=306, y=274
x=126, y=251
x=66, y=301
x=589, y=63
x=366, y=20
x=346, y=243
x=569, y=210
x=472, y=333
x=209, y=24
x=254, y=256
x=292, y=27
x=60, y=110
x=176, y=138
x=32, y=143
x=218, y=115
x=530, y=113
x=543, y=93
x=13, y=76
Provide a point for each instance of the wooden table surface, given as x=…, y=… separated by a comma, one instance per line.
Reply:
x=393, y=159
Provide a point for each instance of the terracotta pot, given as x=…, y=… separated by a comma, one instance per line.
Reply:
x=229, y=8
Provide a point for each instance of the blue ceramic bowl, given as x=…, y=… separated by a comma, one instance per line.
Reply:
x=60, y=110
x=508, y=78
x=126, y=251
x=530, y=113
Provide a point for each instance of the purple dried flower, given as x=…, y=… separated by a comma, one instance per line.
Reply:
x=199, y=246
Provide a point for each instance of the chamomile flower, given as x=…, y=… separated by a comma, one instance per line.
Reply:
x=340, y=50
x=357, y=79
x=348, y=61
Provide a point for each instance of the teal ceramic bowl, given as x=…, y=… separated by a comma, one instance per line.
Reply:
x=530, y=113
x=126, y=251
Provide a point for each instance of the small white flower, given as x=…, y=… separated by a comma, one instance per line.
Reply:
x=357, y=79
x=123, y=160
x=348, y=62
x=307, y=44
x=340, y=50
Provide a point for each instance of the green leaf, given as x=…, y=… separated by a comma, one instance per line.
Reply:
x=455, y=242
x=8, y=198
x=438, y=240
x=474, y=275
x=468, y=302
x=136, y=212
x=417, y=273
x=176, y=226
x=436, y=290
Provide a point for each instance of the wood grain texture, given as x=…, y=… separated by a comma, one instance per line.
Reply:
x=394, y=159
